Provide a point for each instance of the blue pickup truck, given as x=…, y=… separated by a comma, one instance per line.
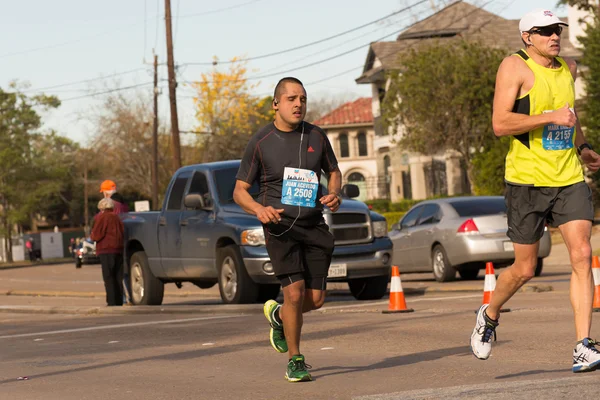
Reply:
x=201, y=236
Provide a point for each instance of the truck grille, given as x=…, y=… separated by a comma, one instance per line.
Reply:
x=349, y=228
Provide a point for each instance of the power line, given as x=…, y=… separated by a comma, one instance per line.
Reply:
x=107, y=91
x=410, y=46
x=220, y=9
x=83, y=81
x=315, y=42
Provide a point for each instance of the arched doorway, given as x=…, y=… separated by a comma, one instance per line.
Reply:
x=358, y=179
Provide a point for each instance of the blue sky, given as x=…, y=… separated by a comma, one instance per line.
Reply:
x=64, y=41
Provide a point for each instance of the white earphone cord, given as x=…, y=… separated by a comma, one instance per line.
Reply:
x=299, y=166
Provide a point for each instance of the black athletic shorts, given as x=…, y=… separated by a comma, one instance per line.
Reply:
x=300, y=253
x=528, y=209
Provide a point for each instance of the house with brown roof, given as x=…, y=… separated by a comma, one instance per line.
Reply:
x=351, y=133
x=428, y=175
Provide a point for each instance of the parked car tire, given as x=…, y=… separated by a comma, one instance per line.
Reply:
x=268, y=292
x=373, y=288
x=468, y=274
x=235, y=285
x=146, y=289
x=442, y=270
x=539, y=267
x=78, y=263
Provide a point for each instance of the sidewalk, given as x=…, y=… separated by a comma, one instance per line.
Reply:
x=63, y=288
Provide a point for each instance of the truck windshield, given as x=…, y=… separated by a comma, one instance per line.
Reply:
x=225, y=179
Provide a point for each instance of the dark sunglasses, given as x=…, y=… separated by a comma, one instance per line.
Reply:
x=547, y=31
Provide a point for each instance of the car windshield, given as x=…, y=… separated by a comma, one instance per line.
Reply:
x=477, y=207
x=225, y=179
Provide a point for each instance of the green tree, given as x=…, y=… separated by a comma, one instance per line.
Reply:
x=442, y=99
x=19, y=124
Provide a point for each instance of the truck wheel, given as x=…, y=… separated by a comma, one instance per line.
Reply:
x=539, y=267
x=373, y=288
x=442, y=270
x=268, y=292
x=235, y=285
x=146, y=289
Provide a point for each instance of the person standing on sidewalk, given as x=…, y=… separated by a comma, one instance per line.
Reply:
x=286, y=158
x=108, y=235
x=535, y=93
x=109, y=189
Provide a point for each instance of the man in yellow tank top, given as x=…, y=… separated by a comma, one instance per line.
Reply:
x=533, y=104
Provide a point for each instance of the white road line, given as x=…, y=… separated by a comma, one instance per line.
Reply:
x=119, y=326
x=470, y=296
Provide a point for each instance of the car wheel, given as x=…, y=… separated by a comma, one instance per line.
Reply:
x=468, y=274
x=373, y=288
x=442, y=270
x=235, y=285
x=539, y=267
x=146, y=289
x=268, y=292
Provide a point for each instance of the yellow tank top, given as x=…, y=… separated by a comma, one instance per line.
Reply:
x=545, y=156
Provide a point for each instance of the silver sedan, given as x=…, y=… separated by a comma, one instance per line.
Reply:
x=457, y=234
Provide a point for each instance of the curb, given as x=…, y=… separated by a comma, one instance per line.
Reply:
x=42, y=264
x=241, y=309
x=61, y=293
x=533, y=288
x=528, y=288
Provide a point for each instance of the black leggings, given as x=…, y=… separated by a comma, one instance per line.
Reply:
x=112, y=273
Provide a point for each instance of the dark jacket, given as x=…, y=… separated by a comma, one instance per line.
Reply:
x=108, y=233
x=120, y=205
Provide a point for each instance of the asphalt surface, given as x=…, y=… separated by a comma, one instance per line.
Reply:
x=193, y=347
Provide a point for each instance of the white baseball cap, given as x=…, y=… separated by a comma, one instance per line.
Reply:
x=539, y=18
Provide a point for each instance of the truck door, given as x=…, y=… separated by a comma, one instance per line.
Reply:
x=169, y=238
x=198, y=249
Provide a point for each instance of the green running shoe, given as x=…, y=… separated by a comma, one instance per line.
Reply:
x=297, y=370
x=276, y=335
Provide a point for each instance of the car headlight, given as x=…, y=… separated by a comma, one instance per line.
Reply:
x=380, y=228
x=253, y=237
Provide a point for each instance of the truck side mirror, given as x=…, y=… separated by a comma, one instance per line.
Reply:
x=350, y=191
x=194, y=201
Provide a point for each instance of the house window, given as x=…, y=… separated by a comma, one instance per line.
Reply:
x=344, y=148
x=362, y=144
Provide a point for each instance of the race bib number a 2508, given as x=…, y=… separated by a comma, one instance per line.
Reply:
x=300, y=187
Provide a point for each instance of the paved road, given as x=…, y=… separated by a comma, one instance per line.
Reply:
x=354, y=349
x=195, y=348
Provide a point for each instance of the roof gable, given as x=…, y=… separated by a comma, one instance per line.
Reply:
x=354, y=112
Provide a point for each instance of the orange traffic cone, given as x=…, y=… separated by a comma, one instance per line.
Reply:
x=596, y=274
x=397, y=301
x=489, y=285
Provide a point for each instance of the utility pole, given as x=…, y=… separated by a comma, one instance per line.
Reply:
x=155, y=140
x=172, y=88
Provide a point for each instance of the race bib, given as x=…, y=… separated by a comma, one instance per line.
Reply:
x=300, y=187
x=557, y=137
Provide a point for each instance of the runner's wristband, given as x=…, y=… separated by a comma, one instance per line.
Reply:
x=584, y=146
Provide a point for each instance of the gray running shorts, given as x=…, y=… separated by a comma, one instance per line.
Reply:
x=528, y=209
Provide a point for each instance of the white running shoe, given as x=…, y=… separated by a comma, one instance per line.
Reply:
x=481, y=338
x=586, y=356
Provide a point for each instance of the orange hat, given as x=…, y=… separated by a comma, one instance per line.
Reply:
x=108, y=185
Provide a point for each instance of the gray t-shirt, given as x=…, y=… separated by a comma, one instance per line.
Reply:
x=271, y=150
